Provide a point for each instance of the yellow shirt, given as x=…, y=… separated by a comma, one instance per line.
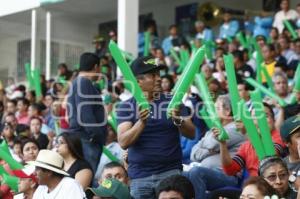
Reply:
x=270, y=69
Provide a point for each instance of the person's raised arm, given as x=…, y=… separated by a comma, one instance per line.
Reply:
x=225, y=155
x=128, y=133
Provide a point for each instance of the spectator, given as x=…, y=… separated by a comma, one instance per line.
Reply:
x=269, y=53
x=284, y=14
x=113, y=147
x=258, y=188
x=167, y=84
x=114, y=170
x=11, y=106
x=152, y=141
x=275, y=172
x=203, y=32
x=64, y=72
x=52, y=179
x=229, y=27
x=70, y=148
x=22, y=114
x=207, y=150
x=173, y=40
x=30, y=149
x=31, y=96
x=90, y=124
x=242, y=70
x=149, y=26
x=35, y=130
x=175, y=186
x=290, y=134
x=27, y=183
x=245, y=158
x=286, y=52
x=111, y=189
x=274, y=35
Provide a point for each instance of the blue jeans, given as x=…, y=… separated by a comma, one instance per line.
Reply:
x=144, y=188
x=92, y=153
x=205, y=179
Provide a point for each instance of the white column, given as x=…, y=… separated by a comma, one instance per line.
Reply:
x=48, y=45
x=128, y=16
x=33, y=39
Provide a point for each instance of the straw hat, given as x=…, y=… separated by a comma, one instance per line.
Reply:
x=49, y=160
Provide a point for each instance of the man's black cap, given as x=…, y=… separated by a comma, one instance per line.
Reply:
x=144, y=65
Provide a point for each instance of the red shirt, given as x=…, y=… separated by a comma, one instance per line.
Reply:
x=246, y=156
x=23, y=118
x=5, y=192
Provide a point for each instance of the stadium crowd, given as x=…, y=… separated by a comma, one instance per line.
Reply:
x=83, y=134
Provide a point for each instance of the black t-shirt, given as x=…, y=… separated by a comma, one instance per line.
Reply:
x=244, y=72
x=77, y=166
x=42, y=141
x=158, y=148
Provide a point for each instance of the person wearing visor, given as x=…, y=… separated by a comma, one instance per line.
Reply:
x=109, y=189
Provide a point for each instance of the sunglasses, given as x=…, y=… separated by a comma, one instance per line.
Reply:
x=273, y=177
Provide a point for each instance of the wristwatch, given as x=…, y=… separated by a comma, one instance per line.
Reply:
x=178, y=122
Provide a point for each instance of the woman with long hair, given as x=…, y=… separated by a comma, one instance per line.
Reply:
x=70, y=148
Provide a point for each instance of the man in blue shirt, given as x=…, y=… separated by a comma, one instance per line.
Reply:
x=86, y=111
x=152, y=139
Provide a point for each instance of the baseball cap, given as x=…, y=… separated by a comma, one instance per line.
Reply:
x=26, y=172
x=289, y=126
x=110, y=188
x=144, y=65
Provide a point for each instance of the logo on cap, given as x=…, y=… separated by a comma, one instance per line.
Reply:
x=151, y=61
x=296, y=119
x=107, y=184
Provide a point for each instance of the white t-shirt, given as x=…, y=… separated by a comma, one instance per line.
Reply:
x=281, y=15
x=67, y=188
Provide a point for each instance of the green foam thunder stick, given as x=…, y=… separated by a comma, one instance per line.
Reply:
x=175, y=56
x=261, y=118
x=2, y=171
x=241, y=39
x=127, y=56
x=13, y=164
x=288, y=25
x=193, y=46
x=37, y=82
x=147, y=43
x=297, y=79
x=209, y=104
x=134, y=88
x=185, y=80
x=57, y=127
x=185, y=70
x=11, y=181
x=232, y=83
x=4, y=147
x=112, y=122
x=208, y=50
x=296, y=85
x=29, y=78
x=110, y=155
x=263, y=89
x=184, y=57
x=251, y=129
